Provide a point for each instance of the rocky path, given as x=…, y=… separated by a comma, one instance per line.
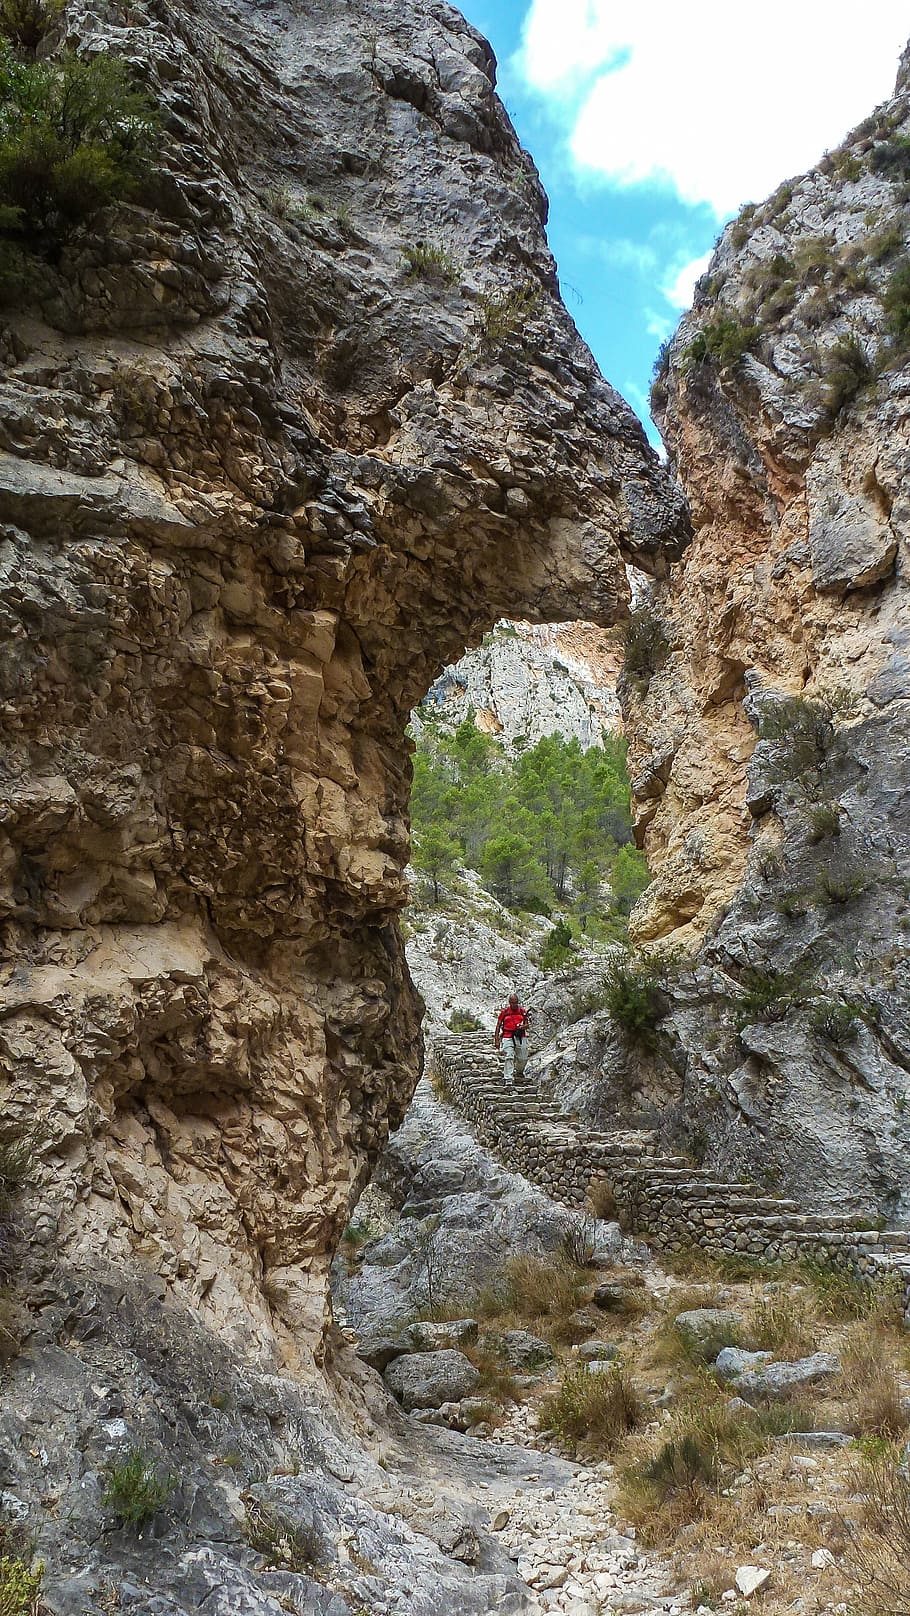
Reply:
x=552, y=1518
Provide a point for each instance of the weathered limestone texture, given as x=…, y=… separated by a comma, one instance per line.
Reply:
x=262, y=475
x=530, y=680
x=769, y=745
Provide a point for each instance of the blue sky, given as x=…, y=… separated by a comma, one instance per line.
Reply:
x=651, y=124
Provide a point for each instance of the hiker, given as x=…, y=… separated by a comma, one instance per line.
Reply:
x=511, y=1036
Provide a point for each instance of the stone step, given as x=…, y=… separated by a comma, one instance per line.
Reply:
x=632, y=1160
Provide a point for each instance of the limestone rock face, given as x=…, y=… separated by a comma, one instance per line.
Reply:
x=275, y=443
x=530, y=680
x=768, y=747
x=794, y=459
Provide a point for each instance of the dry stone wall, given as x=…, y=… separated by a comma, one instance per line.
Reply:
x=664, y=1199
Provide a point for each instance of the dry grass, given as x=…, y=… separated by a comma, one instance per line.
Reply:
x=841, y=1296
x=497, y=1381
x=593, y=1409
x=602, y=1201
x=537, y=1293
x=785, y=1323
x=676, y=1469
x=870, y=1385
x=878, y=1551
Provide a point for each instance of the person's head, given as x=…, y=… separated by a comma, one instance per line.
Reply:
x=513, y=1001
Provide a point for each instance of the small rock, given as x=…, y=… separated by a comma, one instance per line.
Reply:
x=613, y=1298
x=597, y=1352
x=750, y=1578
x=500, y=1519
x=734, y=1361
x=778, y=1380
x=822, y=1558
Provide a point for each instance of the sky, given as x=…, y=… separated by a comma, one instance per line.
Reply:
x=652, y=123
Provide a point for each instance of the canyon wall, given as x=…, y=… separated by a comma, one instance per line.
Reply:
x=278, y=439
x=768, y=715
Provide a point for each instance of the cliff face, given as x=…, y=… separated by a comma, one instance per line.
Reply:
x=769, y=743
x=527, y=681
x=275, y=446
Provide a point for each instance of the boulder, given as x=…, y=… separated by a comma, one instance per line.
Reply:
x=705, y=1331
x=428, y=1379
x=430, y=1336
x=379, y=1350
x=522, y=1350
x=733, y=1361
x=780, y=1380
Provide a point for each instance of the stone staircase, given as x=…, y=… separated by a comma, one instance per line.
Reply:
x=664, y=1199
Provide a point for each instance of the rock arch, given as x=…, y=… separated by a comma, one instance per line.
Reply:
x=266, y=469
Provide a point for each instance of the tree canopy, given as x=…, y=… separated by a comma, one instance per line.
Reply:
x=548, y=828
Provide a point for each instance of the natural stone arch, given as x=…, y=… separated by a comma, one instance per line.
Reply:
x=280, y=484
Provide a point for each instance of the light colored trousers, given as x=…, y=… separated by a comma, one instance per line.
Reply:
x=514, y=1056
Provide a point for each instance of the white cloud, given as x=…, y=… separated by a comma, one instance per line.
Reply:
x=680, y=285
x=625, y=253
x=659, y=325
x=717, y=102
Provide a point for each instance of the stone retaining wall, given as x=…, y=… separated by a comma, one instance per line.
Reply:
x=664, y=1199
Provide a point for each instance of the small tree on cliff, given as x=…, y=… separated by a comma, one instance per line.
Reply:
x=434, y=856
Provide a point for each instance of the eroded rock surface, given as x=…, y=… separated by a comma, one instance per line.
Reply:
x=769, y=743
x=276, y=443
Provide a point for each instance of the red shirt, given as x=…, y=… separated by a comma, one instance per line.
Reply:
x=511, y=1021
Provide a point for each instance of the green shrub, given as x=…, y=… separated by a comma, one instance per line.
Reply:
x=824, y=820
x=135, y=1491
x=835, y=1020
x=814, y=256
x=660, y=373
x=839, y=886
x=630, y=992
x=502, y=314
x=892, y=158
x=557, y=949
x=24, y=23
x=766, y=994
x=896, y=303
x=680, y=1466
x=463, y=1021
x=75, y=136
x=885, y=244
x=285, y=1544
x=741, y=229
x=847, y=370
x=593, y=1407
x=425, y=261
x=20, y=1587
x=18, y=1145
x=805, y=728
x=724, y=339
x=645, y=641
